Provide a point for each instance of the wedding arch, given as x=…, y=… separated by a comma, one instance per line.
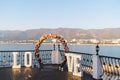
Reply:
x=52, y=35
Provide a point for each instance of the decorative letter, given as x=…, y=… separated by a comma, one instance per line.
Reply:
x=15, y=61
x=77, y=65
x=28, y=63
x=69, y=62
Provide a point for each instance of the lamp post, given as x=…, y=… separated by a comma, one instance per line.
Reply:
x=97, y=66
x=97, y=49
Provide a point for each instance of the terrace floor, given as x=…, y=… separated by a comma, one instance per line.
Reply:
x=38, y=74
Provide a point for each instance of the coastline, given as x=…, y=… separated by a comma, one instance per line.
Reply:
x=61, y=44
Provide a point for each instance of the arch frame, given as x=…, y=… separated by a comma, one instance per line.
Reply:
x=52, y=35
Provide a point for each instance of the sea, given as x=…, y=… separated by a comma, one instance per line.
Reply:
x=106, y=50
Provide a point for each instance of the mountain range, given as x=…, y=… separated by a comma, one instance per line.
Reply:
x=67, y=33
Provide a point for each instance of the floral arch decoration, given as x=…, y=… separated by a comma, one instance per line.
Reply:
x=58, y=37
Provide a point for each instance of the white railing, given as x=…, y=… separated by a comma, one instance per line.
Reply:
x=96, y=65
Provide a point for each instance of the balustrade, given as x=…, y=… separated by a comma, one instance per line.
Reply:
x=110, y=65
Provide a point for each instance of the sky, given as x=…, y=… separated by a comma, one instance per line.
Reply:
x=35, y=14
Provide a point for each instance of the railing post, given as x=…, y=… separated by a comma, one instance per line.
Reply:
x=97, y=66
x=56, y=57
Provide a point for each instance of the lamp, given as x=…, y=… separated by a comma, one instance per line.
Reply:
x=97, y=49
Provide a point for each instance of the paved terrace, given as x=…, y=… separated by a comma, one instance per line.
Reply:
x=38, y=74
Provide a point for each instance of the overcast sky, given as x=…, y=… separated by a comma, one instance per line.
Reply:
x=33, y=14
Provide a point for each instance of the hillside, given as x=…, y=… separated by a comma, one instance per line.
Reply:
x=68, y=33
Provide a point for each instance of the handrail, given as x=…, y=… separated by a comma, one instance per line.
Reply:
x=77, y=52
x=109, y=57
x=22, y=50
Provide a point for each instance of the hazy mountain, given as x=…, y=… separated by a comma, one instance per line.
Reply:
x=67, y=33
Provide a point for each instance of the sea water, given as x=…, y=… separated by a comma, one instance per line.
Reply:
x=106, y=50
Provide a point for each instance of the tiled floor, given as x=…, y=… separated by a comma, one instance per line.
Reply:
x=38, y=74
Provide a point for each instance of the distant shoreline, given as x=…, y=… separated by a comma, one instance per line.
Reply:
x=68, y=43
